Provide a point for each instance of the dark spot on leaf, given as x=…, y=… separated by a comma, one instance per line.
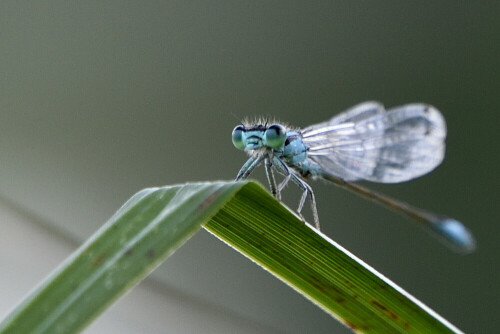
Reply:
x=150, y=253
x=98, y=260
x=348, y=284
x=355, y=327
x=351, y=325
x=129, y=252
x=385, y=309
x=209, y=200
x=324, y=286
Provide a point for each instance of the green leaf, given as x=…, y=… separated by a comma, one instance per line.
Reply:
x=155, y=222
x=144, y=232
x=324, y=272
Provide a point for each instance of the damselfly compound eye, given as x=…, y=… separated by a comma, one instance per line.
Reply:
x=238, y=137
x=275, y=136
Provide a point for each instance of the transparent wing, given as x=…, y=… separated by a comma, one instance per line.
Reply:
x=367, y=142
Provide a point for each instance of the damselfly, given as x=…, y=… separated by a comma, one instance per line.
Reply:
x=365, y=142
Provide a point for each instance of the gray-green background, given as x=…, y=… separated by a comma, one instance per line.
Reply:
x=101, y=99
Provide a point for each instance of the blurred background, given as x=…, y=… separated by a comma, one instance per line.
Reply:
x=101, y=99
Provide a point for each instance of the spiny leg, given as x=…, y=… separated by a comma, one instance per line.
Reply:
x=244, y=168
x=270, y=178
x=307, y=190
x=290, y=174
x=283, y=184
x=248, y=167
x=283, y=168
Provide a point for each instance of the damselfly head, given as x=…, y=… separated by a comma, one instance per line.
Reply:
x=253, y=137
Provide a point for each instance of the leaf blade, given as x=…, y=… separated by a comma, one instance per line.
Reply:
x=155, y=222
x=137, y=238
x=324, y=272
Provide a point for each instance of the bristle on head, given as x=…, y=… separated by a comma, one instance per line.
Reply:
x=258, y=120
x=262, y=122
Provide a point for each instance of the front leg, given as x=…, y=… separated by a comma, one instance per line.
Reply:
x=244, y=168
x=248, y=167
x=270, y=178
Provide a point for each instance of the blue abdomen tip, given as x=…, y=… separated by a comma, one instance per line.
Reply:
x=455, y=234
